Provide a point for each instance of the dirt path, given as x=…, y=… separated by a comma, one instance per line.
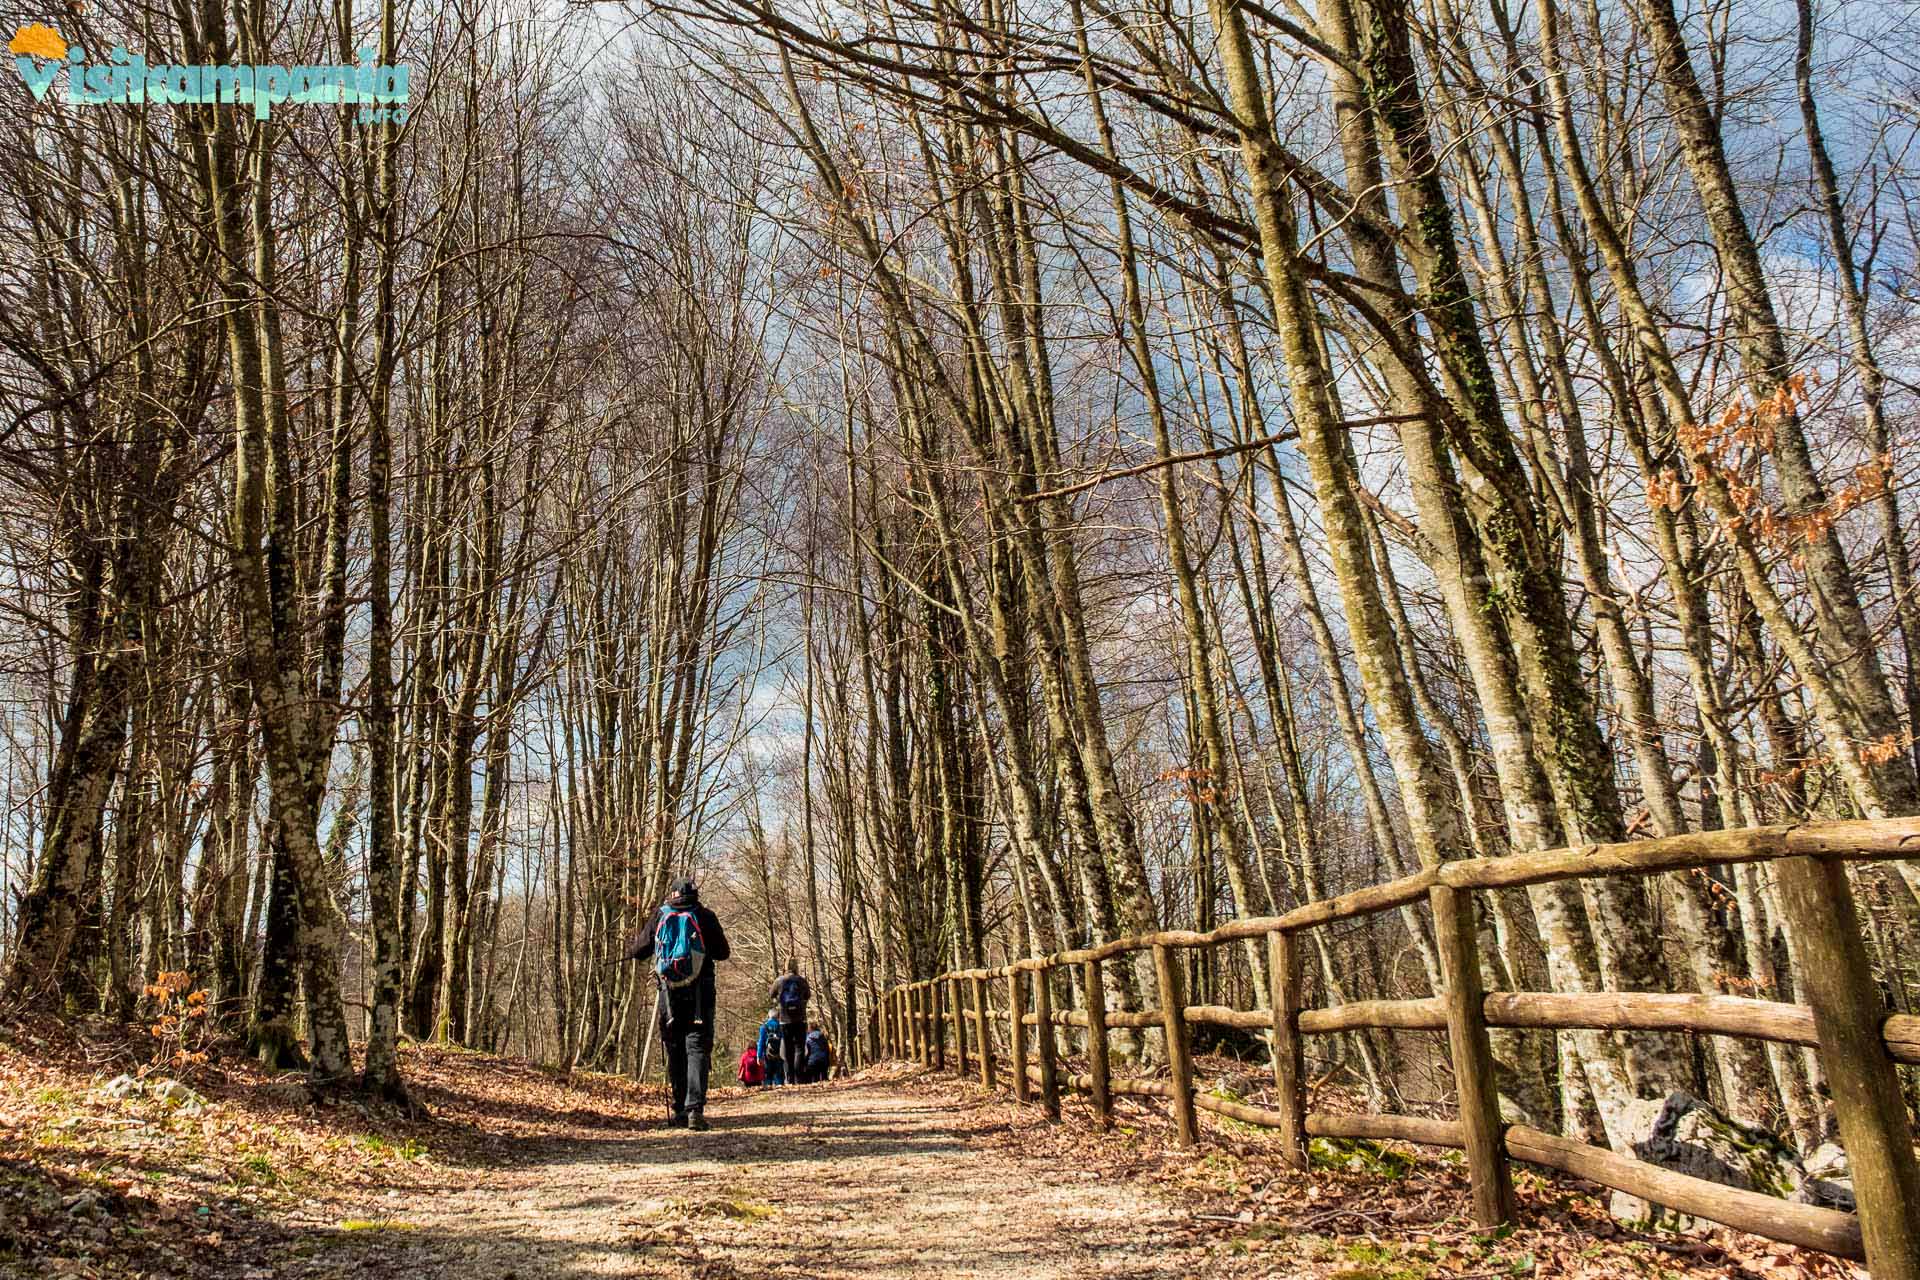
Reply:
x=832, y=1181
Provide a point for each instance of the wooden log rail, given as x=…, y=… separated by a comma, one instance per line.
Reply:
x=1859, y=1042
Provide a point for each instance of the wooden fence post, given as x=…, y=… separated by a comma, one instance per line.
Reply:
x=937, y=1021
x=1097, y=1063
x=958, y=1008
x=1455, y=932
x=1049, y=1065
x=983, y=1033
x=1848, y=1017
x=917, y=1021
x=889, y=1041
x=926, y=1023
x=1289, y=1089
x=1017, y=1028
x=1173, y=1018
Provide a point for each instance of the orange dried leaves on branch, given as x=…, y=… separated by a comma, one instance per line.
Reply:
x=1728, y=448
x=179, y=1016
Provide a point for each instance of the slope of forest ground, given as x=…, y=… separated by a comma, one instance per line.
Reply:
x=516, y=1171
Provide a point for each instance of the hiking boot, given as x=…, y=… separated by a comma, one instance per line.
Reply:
x=697, y=1122
x=678, y=1120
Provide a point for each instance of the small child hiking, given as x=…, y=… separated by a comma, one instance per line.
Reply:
x=772, y=1066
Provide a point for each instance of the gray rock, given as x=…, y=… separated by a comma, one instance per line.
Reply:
x=1828, y=1160
x=181, y=1098
x=1687, y=1135
x=1239, y=1086
x=1829, y=1181
x=83, y=1204
x=121, y=1088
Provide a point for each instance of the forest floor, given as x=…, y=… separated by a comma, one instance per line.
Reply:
x=518, y=1173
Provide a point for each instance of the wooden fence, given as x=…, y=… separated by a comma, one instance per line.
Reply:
x=1858, y=1041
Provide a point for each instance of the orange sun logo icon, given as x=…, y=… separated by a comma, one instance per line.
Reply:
x=39, y=40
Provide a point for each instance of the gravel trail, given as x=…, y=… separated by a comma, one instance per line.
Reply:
x=853, y=1180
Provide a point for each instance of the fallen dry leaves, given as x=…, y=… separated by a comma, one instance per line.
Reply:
x=1361, y=1224
x=92, y=1186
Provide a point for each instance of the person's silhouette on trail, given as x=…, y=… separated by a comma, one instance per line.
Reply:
x=790, y=994
x=685, y=942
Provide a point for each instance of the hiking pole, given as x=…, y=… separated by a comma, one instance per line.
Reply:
x=653, y=1034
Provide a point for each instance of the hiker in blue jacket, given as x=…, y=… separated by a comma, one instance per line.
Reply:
x=773, y=1067
x=790, y=995
x=685, y=942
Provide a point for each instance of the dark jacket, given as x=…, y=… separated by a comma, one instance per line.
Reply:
x=803, y=990
x=694, y=1002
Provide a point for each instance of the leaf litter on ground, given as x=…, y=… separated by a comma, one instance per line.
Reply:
x=99, y=1181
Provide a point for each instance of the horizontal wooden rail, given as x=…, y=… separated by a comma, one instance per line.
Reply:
x=1902, y=1034
x=1654, y=1011
x=1388, y=1128
x=1602, y=1011
x=1408, y=1015
x=1219, y=1015
x=1826, y=1229
x=1120, y=1085
x=1266, y=1117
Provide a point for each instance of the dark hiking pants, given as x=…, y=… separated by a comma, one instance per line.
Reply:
x=689, y=1053
x=793, y=1042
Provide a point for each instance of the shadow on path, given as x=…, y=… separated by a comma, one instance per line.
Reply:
x=847, y=1181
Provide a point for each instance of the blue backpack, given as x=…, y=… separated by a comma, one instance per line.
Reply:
x=816, y=1049
x=679, y=952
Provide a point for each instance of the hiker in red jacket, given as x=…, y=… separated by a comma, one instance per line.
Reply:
x=685, y=942
x=750, y=1073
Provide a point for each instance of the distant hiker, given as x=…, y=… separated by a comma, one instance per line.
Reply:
x=686, y=941
x=819, y=1062
x=790, y=995
x=750, y=1073
x=772, y=1065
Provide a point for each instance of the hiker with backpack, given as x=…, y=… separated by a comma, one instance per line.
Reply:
x=819, y=1063
x=685, y=942
x=790, y=995
x=773, y=1068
